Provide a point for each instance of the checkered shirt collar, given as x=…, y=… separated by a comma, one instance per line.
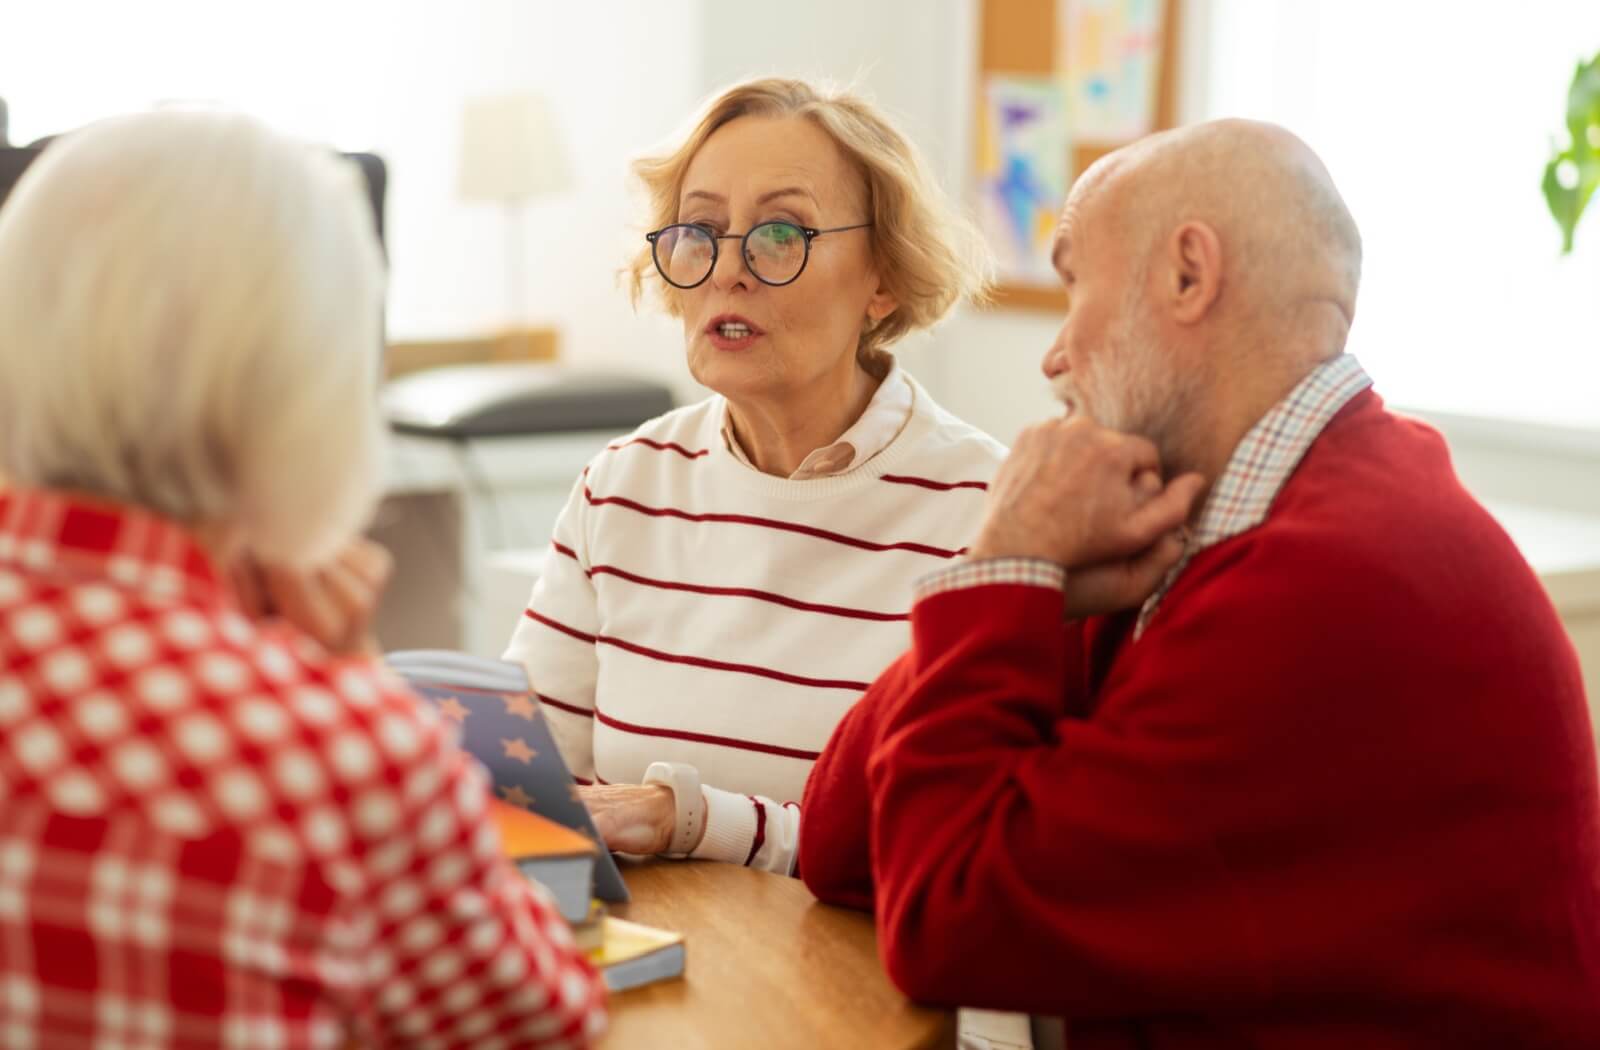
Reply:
x=1263, y=462
x=45, y=532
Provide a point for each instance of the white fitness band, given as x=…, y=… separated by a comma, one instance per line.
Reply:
x=687, y=799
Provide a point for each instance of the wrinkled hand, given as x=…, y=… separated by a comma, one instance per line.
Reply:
x=1096, y=590
x=632, y=818
x=333, y=603
x=1073, y=492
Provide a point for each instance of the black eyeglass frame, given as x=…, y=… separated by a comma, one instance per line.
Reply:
x=810, y=233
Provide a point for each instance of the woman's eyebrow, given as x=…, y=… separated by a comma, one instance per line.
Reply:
x=787, y=191
x=765, y=198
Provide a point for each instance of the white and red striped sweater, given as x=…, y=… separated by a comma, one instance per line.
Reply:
x=696, y=610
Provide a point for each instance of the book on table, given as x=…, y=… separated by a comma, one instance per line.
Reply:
x=558, y=858
x=500, y=722
x=590, y=933
x=631, y=954
x=627, y=954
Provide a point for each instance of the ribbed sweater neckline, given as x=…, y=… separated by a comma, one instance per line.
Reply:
x=728, y=467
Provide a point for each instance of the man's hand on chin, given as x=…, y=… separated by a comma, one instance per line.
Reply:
x=1091, y=500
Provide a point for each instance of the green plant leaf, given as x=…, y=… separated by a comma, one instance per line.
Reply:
x=1567, y=202
x=1563, y=203
x=1583, y=105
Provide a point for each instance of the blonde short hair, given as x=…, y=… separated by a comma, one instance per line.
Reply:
x=190, y=318
x=928, y=255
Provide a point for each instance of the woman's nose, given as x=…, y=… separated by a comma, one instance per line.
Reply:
x=729, y=269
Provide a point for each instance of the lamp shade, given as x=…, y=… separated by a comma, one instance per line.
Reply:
x=510, y=149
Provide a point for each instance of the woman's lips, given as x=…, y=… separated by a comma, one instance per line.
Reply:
x=732, y=332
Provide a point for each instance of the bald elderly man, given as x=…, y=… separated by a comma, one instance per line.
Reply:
x=1307, y=761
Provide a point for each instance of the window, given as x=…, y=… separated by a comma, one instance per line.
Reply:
x=1435, y=118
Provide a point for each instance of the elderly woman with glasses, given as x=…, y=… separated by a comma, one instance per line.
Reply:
x=726, y=581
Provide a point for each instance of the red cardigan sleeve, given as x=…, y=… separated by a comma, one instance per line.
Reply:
x=836, y=809
x=1061, y=851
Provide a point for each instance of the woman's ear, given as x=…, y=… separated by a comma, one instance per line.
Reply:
x=881, y=305
x=1194, y=259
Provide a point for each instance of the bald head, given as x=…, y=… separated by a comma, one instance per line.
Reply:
x=1287, y=240
x=1208, y=271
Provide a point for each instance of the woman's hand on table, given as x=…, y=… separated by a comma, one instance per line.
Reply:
x=632, y=818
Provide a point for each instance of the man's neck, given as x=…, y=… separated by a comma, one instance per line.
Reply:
x=1230, y=410
x=778, y=435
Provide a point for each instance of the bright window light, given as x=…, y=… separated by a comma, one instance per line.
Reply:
x=1436, y=119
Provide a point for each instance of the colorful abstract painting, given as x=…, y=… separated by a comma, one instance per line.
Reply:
x=1111, y=53
x=1024, y=168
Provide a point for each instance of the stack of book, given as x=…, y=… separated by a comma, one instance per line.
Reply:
x=628, y=954
x=556, y=857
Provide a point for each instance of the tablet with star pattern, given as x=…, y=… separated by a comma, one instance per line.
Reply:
x=501, y=724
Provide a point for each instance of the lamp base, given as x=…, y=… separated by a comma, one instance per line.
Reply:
x=525, y=344
x=511, y=344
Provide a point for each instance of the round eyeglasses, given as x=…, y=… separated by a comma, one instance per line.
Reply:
x=775, y=252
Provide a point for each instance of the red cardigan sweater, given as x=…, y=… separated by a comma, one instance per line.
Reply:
x=1342, y=792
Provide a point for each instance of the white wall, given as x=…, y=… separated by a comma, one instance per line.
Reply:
x=391, y=77
x=1465, y=309
x=1436, y=118
x=911, y=56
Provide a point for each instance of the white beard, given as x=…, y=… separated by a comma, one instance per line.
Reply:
x=1132, y=388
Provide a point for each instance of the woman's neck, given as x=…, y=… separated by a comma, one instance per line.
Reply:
x=778, y=435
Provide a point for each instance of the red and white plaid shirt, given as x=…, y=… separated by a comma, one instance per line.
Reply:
x=1260, y=466
x=1263, y=462
x=212, y=833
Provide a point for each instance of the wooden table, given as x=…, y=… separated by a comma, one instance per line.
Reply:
x=768, y=966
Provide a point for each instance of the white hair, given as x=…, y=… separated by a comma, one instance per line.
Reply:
x=190, y=319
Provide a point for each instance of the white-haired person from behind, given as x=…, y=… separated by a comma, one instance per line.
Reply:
x=222, y=821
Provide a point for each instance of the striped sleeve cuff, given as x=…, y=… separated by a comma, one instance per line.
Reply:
x=1023, y=572
x=730, y=827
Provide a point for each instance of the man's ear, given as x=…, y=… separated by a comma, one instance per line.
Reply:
x=1194, y=262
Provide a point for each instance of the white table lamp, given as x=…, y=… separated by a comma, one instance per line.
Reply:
x=511, y=152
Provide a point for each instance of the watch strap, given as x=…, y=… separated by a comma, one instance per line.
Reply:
x=689, y=804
